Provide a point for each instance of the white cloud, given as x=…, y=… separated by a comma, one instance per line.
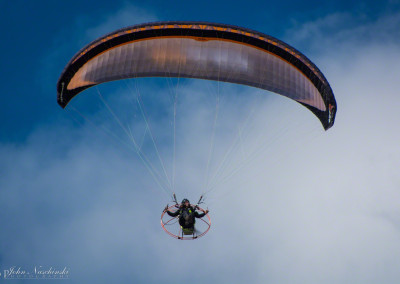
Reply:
x=126, y=16
x=345, y=33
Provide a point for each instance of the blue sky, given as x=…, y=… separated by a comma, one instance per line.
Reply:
x=312, y=207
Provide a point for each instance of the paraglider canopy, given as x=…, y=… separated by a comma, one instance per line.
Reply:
x=203, y=51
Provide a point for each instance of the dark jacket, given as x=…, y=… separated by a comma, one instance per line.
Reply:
x=187, y=216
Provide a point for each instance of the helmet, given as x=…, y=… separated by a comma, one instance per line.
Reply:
x=184, y=201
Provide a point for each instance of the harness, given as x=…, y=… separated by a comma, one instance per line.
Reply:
x=187, y=216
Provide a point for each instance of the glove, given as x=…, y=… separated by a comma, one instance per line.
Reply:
x=166, y=208
x=206, y=211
